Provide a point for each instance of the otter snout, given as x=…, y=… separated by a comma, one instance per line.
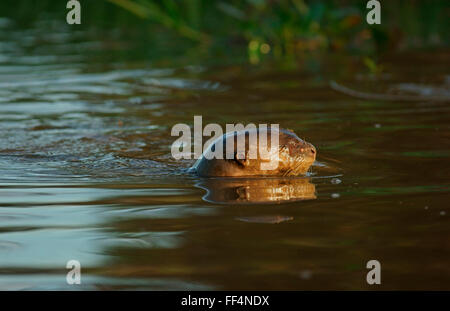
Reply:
x=309, y=150
x=304, y=148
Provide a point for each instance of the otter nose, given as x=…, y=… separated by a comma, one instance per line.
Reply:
x=308, y=149
x=312, y=149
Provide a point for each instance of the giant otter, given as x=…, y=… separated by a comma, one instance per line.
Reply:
x=293, y=157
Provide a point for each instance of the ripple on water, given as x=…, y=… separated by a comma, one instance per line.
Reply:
x=57, y=281
x=86, y=172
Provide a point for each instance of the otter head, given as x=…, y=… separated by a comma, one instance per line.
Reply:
x=296, y=155
x=292, y=157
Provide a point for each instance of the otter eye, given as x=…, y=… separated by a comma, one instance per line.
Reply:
x=238, y=162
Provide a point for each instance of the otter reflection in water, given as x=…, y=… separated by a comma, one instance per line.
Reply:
x=257, y=190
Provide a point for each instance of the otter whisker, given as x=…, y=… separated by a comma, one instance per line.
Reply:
x=287, y=172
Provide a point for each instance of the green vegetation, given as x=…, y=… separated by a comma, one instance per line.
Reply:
x=288, y=27
x=260, y=30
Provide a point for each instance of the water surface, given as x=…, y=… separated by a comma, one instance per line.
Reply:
x=86, y=171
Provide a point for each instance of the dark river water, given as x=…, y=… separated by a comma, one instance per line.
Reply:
x=86, y=171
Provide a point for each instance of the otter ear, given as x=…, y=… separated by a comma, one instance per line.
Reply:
x=241, y=159
x=292, y=131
